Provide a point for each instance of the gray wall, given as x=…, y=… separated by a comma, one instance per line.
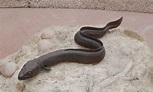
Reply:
x=119, y=5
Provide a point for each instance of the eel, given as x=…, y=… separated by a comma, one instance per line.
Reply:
x=87, y=37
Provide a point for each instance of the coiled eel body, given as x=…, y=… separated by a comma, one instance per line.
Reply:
x=87, y=37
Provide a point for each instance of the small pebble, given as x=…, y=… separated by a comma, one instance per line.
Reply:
x=113, y=71
x=125, y=51
x=44, y=45
x=76, y=88
x=8, y=69
x=20, y=87
x=90, y=82
x=150, y=75
x=141, y=70
x=47, y=35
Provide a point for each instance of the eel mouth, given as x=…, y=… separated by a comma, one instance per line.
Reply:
x=23, y=77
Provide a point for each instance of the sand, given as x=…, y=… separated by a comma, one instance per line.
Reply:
x=125, y=68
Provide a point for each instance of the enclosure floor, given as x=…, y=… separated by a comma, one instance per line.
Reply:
x=17, y=25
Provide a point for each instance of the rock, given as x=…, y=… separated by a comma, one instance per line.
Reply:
x=47, y=34
x=44, y=45
x=71, y=77
x=8, y=69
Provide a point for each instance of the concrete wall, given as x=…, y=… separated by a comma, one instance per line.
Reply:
x=119, y=5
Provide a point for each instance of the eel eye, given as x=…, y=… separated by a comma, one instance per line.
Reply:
x=29, y=72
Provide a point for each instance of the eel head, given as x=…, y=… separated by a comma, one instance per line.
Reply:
x=30, y=70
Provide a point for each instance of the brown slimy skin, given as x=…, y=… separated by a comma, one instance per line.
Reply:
x=86, y=37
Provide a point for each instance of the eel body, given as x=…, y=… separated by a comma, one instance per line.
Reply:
x=87, y=37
